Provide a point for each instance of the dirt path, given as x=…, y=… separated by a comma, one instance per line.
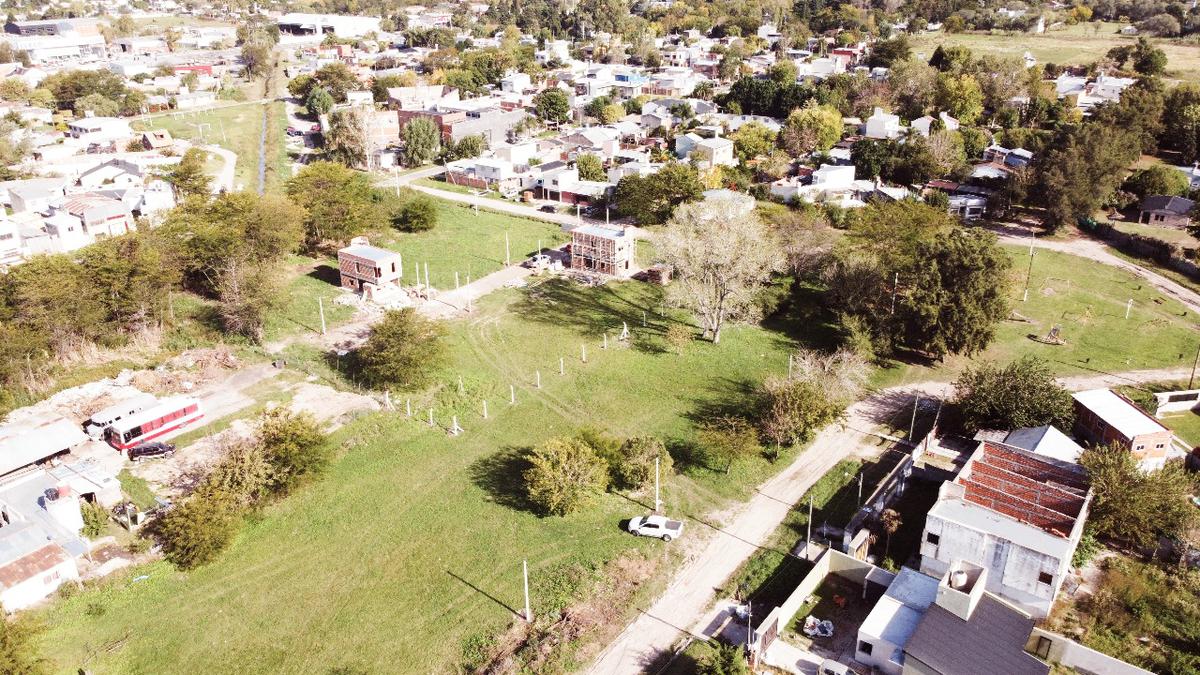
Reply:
x=684, y=606
x=1098, y=251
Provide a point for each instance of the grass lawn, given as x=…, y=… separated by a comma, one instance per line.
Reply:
x=1078, y=44
x=1167, y=234
x=469, y=243
x=279, y=163
x=1087, y=299
x=1185, y=425
x=461, y=189
x=1144, y=614
x=414, y=540
x=300, y=312
x=137, y=489
x=237, y=128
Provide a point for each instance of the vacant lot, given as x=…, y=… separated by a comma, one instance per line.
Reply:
x=415, y=539
x=470, y=243
x=1079, y=44
x=237, y=128
x=1087, y=300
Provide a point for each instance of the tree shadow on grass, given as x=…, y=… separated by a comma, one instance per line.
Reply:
x=327, y=273
x=593, y=310
x=500, y=475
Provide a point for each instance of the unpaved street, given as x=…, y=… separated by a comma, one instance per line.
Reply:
x=683, y=606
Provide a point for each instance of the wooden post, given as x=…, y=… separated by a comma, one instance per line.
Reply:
x=537, y=379
x=507, y=256
x=605, y=345
x=431, y=418
x=561, y=366
x=321, y=309
x=461, y=389
x=485, y=409
x=512, y=394
x=408, y=407
x=456, y=280
x=583, y=352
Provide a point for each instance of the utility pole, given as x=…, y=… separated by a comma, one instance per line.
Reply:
x=810, y=510
x=912, y=426
x=1194, y=364
x=895, y=286
x=507, y=257
x=321, y=309
x=525, y=574
x=1029, y=272
x=657, y=501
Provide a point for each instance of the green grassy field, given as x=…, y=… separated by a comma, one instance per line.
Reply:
x=237, y=128
x=1078, y=44
x=414, y=540
x=1167, y=234
x=1087, y=299
x=1186, y=426
x=469, y=243
x=310, y=280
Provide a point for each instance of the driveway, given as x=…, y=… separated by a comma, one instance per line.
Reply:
x=686, y=607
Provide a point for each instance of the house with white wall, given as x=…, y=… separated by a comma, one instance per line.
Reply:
x=1016, y=514
x=882, y=125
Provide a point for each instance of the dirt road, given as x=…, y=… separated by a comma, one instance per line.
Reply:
x=683, y=607
x=1098, y=251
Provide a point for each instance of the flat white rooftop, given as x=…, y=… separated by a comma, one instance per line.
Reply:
x=1120, y=414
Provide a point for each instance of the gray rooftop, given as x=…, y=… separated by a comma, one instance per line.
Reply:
x=367, y=252
x=992, y=641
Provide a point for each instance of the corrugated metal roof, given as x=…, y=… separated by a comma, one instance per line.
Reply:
x=1118, y=413
x=22, y=445
x=992, y=641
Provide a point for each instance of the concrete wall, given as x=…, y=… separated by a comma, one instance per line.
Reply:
x=1012, y=569
x=1176, y=401
x=1069, y=653
x=830, y=561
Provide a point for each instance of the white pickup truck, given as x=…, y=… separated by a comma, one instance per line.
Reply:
x=656, y=526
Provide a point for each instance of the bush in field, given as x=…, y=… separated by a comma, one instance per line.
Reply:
x=634, y=465
x=724, y=660
x=294, y=447
x=727, y=439
x=95, y=519
x=196, y=531
x=817, y=391
x=564, y=474
x=1023, y=393
x=418, y=214
x=401, y=351
x=19, y=653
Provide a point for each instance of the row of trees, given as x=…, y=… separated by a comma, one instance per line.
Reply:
x=229, y=248
x=287, y=449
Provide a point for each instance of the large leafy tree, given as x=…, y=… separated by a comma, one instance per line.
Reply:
x=1136, y=507
x=752, y=140
x=188, y=177
x=552, y=105
x=403, y=350
x=346, y=140
x=590, y=167
x=1023, y=393
x=1181, y=121
x=422, y=141
x=652, y=199
x=1080, y=170
x=956, y=294
x=564, y=474
x=722, y=256
x=337, y=79
x=338, y=202
x=813, y=128
x=19, y=654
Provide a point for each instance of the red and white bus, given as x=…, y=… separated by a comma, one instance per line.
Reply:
x=169, y=415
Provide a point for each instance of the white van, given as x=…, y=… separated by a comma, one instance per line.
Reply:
x=104, y=419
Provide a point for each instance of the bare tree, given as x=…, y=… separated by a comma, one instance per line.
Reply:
x=722, y=255
x=891, y=522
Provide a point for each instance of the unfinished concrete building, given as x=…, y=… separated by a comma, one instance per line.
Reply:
x=604, y=250
x=1016, y=514
x=362, y=266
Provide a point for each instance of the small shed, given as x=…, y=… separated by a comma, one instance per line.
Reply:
x=1166, y=211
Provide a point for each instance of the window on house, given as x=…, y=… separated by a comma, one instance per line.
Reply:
x=932, y=538
x=1139, y=447
x=865, y=647
x=1045, y=578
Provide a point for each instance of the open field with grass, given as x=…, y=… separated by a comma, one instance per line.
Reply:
x=1079, y=44
x=1167, y=234
x=1186, y=425
x=1087, y=299
x=237, y=128
x=469, y=243
x=310, y=280
x=413, y=542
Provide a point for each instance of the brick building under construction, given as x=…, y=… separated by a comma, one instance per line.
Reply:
x=603, y=250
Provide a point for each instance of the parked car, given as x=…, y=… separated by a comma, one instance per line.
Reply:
x=152, y=450
x=293, y=131
x=656, y=526
x=831, y=667
x=548, y=208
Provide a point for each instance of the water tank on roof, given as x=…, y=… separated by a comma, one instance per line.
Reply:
x=958, y=579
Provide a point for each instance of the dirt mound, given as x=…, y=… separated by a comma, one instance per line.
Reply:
x=187, y=371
